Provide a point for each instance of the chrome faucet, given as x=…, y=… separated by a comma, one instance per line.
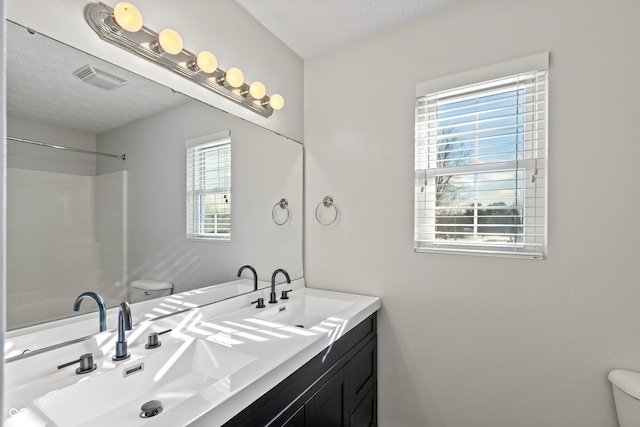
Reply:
x=255, y=275
x=124, y=324
x=102, y=308
x=273, y=299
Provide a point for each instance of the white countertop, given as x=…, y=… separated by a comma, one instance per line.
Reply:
x=265, y=350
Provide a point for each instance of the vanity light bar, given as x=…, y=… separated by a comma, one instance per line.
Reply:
x=165, y=49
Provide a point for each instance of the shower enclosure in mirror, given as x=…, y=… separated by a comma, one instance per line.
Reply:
x=83, y=222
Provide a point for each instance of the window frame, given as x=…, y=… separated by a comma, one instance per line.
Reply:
x=196, y=185
x=481, y=81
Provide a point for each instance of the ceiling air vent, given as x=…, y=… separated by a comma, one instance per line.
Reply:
x=99, y=78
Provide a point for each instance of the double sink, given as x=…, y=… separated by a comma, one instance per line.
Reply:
x=207, y=358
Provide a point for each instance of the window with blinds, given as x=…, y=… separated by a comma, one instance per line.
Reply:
x=209, y=187
x=480, y=168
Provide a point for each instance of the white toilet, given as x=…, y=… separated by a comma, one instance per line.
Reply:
x=626, y=393
x=146, y=289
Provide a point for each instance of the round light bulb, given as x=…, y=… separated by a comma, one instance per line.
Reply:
x=127, y=16
x=276, y=101
x=234, y=77
x=257, y=90
x=170, y=41
x=207, y=61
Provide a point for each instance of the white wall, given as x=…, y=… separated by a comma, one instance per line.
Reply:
x=470, y=341
x=221, y=26
x=265, y=167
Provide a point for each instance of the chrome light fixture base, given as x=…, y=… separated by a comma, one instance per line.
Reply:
x=143, y=43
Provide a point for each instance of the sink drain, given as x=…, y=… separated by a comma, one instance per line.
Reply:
x=299, y=326
x=151, y=409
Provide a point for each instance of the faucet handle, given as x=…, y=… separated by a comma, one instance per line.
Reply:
x=153, y=341
x=285, y=294
x=86, y=364
x=260, y=303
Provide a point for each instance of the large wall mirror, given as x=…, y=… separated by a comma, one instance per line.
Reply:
x=78, y=222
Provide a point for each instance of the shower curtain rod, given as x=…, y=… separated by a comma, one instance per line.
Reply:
x=62, y=147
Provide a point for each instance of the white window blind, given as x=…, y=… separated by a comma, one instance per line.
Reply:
x=480, y=168
x=209, y=187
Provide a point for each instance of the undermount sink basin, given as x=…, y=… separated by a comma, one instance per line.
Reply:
x=169, y=374
x=304, y=312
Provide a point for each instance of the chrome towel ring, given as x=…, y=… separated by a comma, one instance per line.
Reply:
x=283, y=204
x=328, y=203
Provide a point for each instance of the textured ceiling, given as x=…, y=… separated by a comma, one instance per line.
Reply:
x=310, y=27
x=41, y=87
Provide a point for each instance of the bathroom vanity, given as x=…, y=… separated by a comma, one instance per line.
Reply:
x=309, y=359
x=335, y=388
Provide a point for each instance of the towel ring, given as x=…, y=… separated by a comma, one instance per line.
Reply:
x=283, y=204
x=327, y=202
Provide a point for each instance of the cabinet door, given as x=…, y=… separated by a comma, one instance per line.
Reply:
x=327, y=406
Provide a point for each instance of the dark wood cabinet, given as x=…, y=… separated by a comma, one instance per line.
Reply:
x=334, y=389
